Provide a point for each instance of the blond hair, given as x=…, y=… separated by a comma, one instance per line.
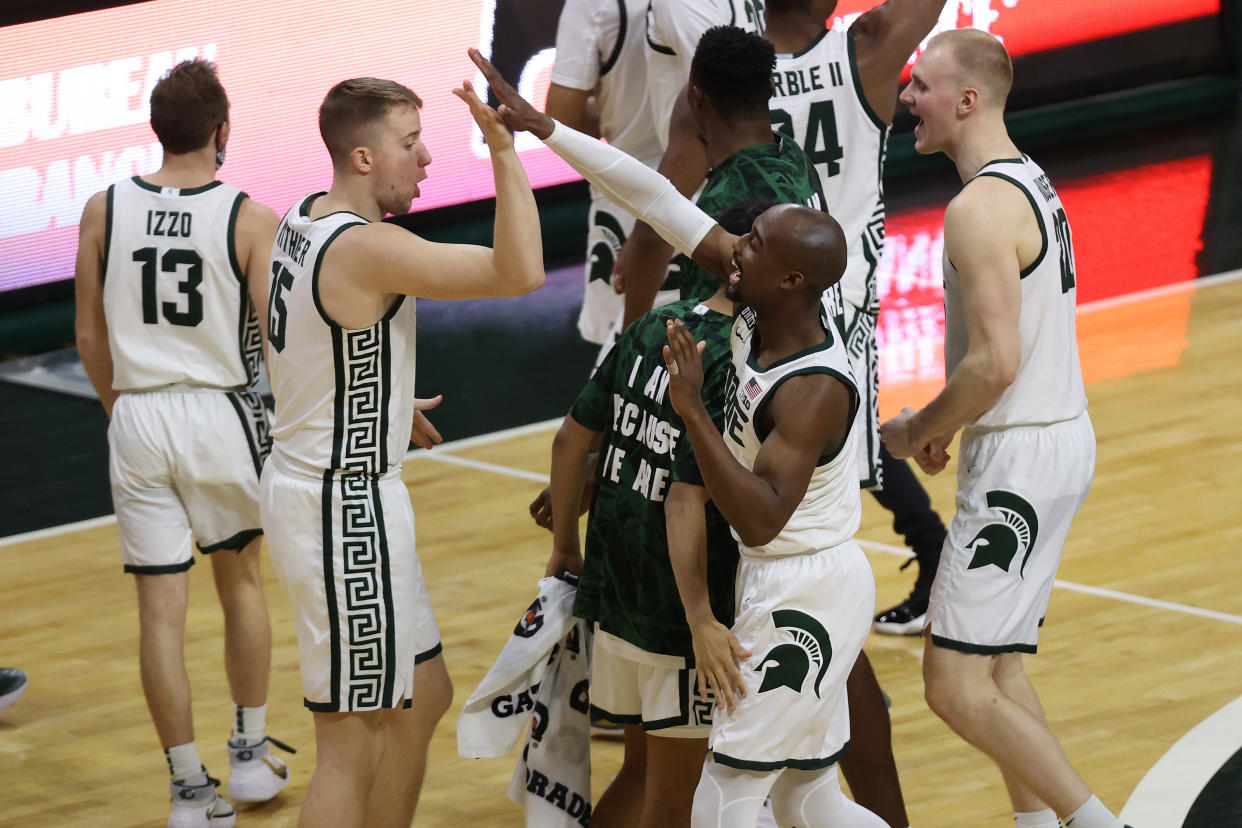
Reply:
x=982, y=62
x=354, y=105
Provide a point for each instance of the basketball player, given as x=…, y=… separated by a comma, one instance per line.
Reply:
x=1027, y=453
x=785, y=744
x=835, y=92
x=642, y=663
x=341, y=359
x=599, y=86
x=170, y=273
x=673, y=29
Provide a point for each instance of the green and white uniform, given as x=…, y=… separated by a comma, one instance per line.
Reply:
x=338, y=516
x=819, y=102
x=643, y=668
x=779, y=171
x=187, y=436
x=804, y=600
x=600, y=46
x=1025, y=464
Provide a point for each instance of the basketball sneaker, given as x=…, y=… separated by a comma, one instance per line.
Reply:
x=255, y=774
x=910, y=616
x=13, y=683
x=200, y=806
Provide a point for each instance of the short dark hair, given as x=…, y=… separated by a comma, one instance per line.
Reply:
x=187, y=105
x=353, y=105
x=738, y=218
x=733, y=68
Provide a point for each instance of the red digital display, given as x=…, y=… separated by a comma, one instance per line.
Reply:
x=1126, y=239
x=73, y=95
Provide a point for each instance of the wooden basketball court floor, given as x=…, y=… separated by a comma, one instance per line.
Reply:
x=1143, y=641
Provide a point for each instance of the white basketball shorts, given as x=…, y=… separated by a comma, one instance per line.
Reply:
x=630, y=685
x=804, y=619
x=1017, y=491
x=343, y=548
x=184, y=465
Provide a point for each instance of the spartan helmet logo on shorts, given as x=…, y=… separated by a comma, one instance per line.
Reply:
x=604, y=252
x=792, y=661
x=997, y=543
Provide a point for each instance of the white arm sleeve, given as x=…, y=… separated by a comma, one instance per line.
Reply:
x=639, y=189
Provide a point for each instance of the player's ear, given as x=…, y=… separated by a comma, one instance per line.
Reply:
x=793, y=280
x=968, y=102
x=361, y=158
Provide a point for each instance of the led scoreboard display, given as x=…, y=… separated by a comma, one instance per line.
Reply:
x=74, y=90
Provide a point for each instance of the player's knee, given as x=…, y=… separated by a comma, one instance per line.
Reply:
x=944, y=695
x=434, y=691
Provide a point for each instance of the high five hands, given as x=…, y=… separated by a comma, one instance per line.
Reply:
x=516, y=112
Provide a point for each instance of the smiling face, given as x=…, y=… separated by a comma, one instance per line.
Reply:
x=791, y=254
x=932, y=96
x=398, y=159
x=760, y=258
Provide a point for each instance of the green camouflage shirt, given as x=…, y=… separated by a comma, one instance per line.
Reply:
x=780, y=171
x=627, y=582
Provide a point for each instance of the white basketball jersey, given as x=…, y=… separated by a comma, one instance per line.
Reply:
x=600, y=46
x=819, y=103
x=174, y=293
x=344, y=397
x=673, y=31
x=1048, y=387
x=831, y=509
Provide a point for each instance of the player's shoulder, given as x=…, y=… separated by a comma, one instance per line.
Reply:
x=254, y=213
x=95, y=211
x=986, y=198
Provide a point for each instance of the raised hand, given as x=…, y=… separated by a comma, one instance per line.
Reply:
x=493, y=128
x=514, y=109
x=684, y=361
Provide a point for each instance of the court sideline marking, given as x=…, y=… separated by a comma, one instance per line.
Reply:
x=877, y=546
x=1166, y=793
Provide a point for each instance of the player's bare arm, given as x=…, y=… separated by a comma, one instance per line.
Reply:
x=809, y=417
x=643, y=192
x=573, y=107
x=716, y=649
x=90, y=326
x=255, y=234
x=385, y=259
x=985, y=227
x=884, y=39
x=541, y=506
x=570, y=447
x=642, y=267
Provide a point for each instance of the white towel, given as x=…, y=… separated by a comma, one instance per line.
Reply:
x=542, y=674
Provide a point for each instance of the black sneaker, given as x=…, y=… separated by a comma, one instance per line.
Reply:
x=910, y=616
x=12, y=684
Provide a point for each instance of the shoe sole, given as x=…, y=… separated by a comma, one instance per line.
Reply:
x=12, y=696
x=261, y=792
x=913, y=627
x=192, y=820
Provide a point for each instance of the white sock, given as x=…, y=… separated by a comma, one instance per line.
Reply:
x=1093, y=814
x=249, y=724
x=184, y=764
x=1047, y=818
